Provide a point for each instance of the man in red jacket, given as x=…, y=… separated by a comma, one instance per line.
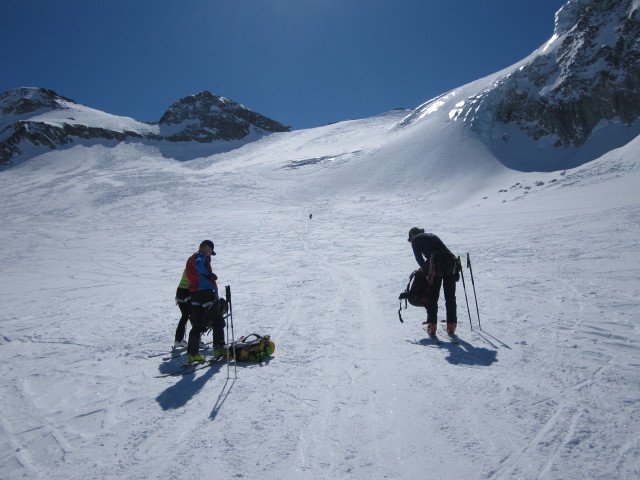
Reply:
x=205, y=308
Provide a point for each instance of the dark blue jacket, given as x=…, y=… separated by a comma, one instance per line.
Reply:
x=424, y=245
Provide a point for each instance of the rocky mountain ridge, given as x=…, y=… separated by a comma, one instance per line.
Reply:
x=207, y=117
x=570, y=101
x=40, y=117
x=587, y=73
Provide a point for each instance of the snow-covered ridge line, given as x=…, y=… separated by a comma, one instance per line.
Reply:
x=586, y=77
x=41, y=117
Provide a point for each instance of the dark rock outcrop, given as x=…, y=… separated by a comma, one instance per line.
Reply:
x=588, y=72
x=207, y=117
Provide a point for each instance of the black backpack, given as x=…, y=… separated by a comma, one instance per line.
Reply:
x=416, y=293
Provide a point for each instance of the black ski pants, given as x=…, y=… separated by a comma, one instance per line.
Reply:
x=448, y=284
x=203, y=314
x=183, y=298
x=182, y=323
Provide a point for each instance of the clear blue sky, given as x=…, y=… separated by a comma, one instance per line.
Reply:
x=304, y=63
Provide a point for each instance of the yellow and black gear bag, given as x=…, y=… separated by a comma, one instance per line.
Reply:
x=252, y=348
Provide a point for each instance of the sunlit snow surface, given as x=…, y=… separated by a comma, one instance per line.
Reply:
x=95, y=237
x=94, y=242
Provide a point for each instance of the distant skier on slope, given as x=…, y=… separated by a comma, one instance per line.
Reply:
x=205, y=305
x=441, y=268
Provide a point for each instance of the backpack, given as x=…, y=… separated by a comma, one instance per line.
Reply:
x=252, y=348
x=417, y=290
x=416, y=293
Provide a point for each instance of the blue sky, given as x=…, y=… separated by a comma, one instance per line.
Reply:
x=304, y=63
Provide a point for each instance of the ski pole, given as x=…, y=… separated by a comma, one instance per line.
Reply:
x=233, y=340
x=464, y=287
x=474, y=288
x=227, y=294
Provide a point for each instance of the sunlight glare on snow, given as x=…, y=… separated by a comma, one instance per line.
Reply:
x=434, y=105
x=453, y=114
x=551, y=40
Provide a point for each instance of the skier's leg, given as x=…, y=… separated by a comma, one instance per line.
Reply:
x=182, y=324
x=449, y=288
x=215, y=319
x=432, y=302
x=196, y=318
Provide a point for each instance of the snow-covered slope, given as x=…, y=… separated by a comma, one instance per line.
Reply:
x=95, y=239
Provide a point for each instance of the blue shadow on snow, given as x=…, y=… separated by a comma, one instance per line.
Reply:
x=464, y=353
x=177, y=395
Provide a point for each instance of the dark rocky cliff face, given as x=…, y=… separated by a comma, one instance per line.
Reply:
x=208, y=117
x=27, y=100
x=588, y=72
x=203, y=117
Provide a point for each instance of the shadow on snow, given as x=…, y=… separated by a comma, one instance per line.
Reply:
x=186, y=388
x=179, y=394
x=463, y=353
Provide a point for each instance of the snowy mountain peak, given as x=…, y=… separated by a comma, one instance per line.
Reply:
x=209, y=117
x=584, y=81
x=567, y=17
x=588, y=73
x=25, y=100
x=198, y=106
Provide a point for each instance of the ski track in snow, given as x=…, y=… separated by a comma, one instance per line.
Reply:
x=93, y=250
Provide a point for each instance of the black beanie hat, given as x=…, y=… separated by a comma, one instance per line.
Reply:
x=210, y=244
x=415, y=231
